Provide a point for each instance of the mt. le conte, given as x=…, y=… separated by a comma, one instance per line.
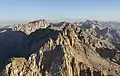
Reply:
x=41, y=48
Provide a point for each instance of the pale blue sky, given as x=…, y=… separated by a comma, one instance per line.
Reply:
x=26, y=10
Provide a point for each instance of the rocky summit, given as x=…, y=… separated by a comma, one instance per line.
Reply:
x=60, y=49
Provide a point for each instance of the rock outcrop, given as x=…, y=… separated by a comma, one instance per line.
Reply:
x=31, y=26
x=72, y=51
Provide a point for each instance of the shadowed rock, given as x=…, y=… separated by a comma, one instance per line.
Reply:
x=71, y=51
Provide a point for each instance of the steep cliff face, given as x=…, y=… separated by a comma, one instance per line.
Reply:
x=73, y=51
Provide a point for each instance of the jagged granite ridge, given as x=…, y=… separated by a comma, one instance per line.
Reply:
x=31, y=26
x=73, y=52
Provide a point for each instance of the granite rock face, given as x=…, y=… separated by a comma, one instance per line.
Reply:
x=31, y=26
x=71, y=51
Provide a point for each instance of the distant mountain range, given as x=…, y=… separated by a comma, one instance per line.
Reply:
x=42, y=48
x=114, y=24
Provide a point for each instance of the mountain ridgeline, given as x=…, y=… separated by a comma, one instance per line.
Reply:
x=39, y=48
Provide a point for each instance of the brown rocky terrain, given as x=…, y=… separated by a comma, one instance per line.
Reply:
x=66, y=50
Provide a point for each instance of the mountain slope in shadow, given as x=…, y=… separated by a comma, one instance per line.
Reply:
x=18, y=44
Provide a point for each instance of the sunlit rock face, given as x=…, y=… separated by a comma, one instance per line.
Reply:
x=31, y=26
x=67, y=50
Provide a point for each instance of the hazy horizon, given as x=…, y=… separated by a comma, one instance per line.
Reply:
x=23, y=11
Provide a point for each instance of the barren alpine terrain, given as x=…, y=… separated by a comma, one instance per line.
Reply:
x=42, y=48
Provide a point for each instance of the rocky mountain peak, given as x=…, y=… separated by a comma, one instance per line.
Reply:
x=31, y=26
x=70, y=51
